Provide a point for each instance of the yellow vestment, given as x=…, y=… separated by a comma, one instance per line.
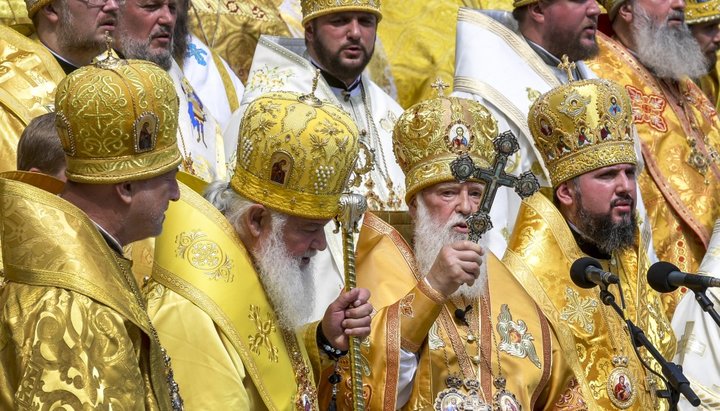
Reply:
x=72, y=331
x=28, y=77
x=540, y=253
x=413, y=317
x=710, y=85
x=213, y=317
x=679, y=133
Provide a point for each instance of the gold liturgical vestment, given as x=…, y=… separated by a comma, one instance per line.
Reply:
x=679, y=134
x=28, y=77
x=211, y=312
x=591, y=335
x=72, y=333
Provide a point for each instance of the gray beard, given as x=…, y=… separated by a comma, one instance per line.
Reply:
x=670, y=53
x=290, y=287
x=431, y=236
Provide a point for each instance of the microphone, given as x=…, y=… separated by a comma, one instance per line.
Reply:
x=586, y=272
x=460, y=314
x=665, y=277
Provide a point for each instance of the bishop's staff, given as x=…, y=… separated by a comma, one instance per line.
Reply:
x=352, y=207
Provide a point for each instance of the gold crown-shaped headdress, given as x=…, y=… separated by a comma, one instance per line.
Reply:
x=431, y=134
x=702, y=11
x=295, y=154
x=316, y=8
x=582, y=126
x=117, y=121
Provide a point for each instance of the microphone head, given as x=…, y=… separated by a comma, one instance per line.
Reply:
x=577, y=271
x=657, y=276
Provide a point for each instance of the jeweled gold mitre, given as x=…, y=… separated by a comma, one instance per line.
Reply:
x=702, y=11
x=316, y=8
x=431, y=134
x=295, y=154
x=582, y=126
x=117, y=121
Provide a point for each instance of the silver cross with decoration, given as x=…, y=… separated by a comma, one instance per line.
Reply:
x=494, y=177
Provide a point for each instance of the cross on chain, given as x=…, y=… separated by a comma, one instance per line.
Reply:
x=568, y=66
x=494, y=177
x=439, y=85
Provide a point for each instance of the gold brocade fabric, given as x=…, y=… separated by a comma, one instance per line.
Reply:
x=678, y=129
x=418, y=39
x=540, y=253
x=28, y=77
x=204, y=279
x=232, y=28
x=529, y=356
x=71, y=329
x=13, y=13
x=710, y=85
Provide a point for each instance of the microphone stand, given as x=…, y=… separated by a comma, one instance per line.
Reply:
x=677, y=382
x=706, y=304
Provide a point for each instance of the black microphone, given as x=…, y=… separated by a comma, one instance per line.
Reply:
x=460, y=314
x=586, y=272
x=665, y=277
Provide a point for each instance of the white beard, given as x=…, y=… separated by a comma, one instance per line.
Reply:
x=430, y=236
x=289, y=286
x=670, y=52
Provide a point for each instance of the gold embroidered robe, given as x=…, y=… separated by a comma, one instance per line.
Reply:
x=540, y=253
x=72, y=332
x=28, y=77
x=214, y=319
x=515, y=332
x=682, y=201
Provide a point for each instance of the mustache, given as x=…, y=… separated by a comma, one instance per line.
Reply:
x=624, y=200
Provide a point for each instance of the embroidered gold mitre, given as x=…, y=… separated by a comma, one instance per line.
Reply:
x=316, y=8
x=582, y=126
x=295, y=154
x=702, y=11
x=117, y=121
x=431, y=134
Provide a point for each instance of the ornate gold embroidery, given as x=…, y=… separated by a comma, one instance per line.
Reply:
x=515, y=338
x=269, y=78
x=406, y=308
x=579, y=310
x=571, y=399
x=647, y=108
x=262, y=337
x=205, y=255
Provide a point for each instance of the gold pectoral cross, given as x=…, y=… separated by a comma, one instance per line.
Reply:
x=568, y=66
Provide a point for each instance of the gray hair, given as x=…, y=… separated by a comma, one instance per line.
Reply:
x=234, y=206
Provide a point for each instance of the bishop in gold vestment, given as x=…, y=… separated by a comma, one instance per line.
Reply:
x=678, y=129
x=504, y=352
x=74, y=332
x=226, y=314
x=583, y=131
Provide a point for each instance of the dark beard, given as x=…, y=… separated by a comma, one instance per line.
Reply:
x=563, y=43
x=333, y=64
x=602, y=231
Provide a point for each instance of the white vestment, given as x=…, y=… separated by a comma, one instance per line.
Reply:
x=220, y=90
x=282, y=64
x=699, y=337
x=496, y=66
x=199, y=135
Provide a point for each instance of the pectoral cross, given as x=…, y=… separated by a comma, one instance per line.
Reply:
x=568, y=66
x=494, y=177
x=439, y=85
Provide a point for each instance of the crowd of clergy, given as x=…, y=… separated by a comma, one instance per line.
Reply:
x=442, y=205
